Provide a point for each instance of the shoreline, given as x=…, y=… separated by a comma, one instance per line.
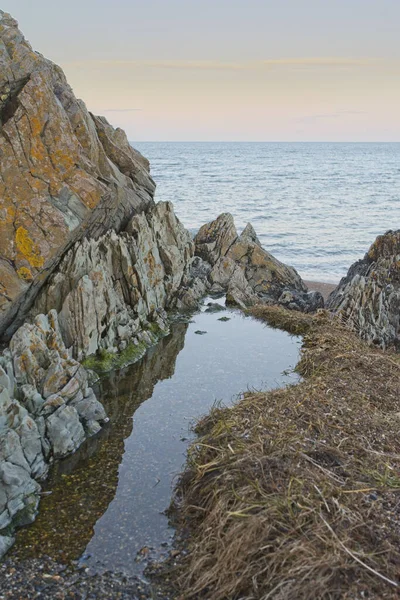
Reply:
x=321, y=286
x=283, y=508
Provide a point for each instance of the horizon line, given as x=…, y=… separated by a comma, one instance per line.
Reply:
x=264, y=141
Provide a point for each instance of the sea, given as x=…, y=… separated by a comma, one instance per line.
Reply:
x=315, y=206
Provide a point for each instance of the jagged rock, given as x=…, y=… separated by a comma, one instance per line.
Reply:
x=214, y=239
x=47, y=410
x=302, y=301
x=368, y=298
x=194, y=285
x=107, y=290
x=5, y=544
x=248, y=273
x=59, y=166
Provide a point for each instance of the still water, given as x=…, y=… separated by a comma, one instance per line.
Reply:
x=108, y=500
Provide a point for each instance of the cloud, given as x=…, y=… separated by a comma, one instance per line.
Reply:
x=120, y=110
x=308, y=119
x=212, y=65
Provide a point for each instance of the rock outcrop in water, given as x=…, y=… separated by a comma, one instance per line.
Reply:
x=248, y=274
x=368, y=298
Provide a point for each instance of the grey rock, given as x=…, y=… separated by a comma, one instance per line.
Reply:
x=246, y=272
x=214, y=239
x=301, y=301
x=367, y=300
x=65, y=431
x=249, y=235
x=5, y=544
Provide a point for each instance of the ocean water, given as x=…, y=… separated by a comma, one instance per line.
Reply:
x=316, y=206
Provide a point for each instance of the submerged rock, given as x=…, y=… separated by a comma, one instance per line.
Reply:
x=368, y=298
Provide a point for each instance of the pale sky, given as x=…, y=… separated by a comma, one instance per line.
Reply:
x=254, y=70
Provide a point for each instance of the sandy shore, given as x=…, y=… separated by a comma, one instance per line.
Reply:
x=320, y=286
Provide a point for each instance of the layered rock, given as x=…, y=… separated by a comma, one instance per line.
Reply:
x=58, y=164
x=107, y=296
x=109, y=291
x=239, y=266
x=368, y=298
x=46, y=411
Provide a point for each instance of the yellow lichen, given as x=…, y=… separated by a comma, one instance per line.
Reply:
x=25, y=274
x=28, y=248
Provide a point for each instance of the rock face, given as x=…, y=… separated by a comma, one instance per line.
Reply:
x=108, y=291
x=58, y=165
x=368, y=298
x=46, y=411
x=239, y=266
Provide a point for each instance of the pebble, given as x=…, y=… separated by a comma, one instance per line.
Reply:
x=48, y=580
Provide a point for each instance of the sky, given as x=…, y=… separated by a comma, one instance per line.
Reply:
x=228, y=70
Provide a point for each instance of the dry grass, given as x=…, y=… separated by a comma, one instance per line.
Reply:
x=295, y=493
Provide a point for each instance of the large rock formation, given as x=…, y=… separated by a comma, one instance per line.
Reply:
x=239, y=266
x=110, y=292
x=59, y=164
x=81, y=241
x=368, y=298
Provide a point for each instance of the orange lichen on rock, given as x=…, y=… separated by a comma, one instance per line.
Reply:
x=25, y=274
x=28, y=248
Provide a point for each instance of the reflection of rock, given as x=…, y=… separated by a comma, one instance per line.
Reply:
x=368, y=298
x=66, y=520
x=248, y=274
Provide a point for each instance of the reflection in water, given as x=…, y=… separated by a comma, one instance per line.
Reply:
x=83, y=485
x=108, y=500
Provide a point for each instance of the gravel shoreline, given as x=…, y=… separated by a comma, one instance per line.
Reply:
x=49, y=580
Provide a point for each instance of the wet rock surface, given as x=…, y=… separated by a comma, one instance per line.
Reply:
x=368, y=298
